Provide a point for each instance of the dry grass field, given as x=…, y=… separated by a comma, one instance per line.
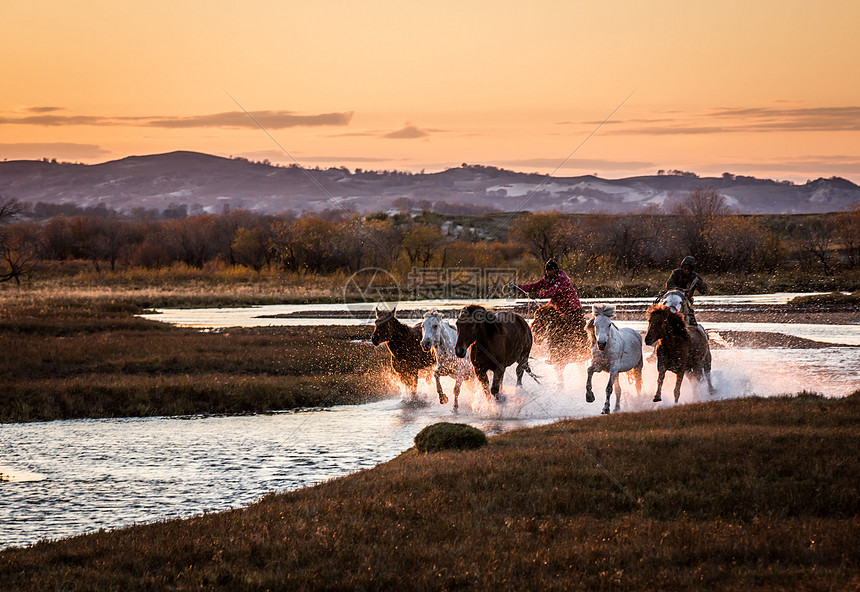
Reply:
x=746, y=494
x=79, y=357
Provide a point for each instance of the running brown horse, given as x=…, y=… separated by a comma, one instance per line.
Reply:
x=497, y=339
x=408, y=358
x=681, y=349
x=565, y=336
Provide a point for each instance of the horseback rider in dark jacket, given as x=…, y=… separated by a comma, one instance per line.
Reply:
x=688, y=281
x=556, y=285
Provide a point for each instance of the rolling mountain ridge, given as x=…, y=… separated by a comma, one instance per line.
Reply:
x=207, y=183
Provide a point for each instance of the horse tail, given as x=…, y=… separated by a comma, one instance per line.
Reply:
x=528, y=370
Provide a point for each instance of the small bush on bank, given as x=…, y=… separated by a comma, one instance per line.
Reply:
x=449, y=436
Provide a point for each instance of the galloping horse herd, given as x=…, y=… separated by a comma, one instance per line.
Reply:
x=484, y=341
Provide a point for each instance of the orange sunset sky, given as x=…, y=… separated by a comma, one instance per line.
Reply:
x=768, y=88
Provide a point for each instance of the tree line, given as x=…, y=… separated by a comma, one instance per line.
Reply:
x=701, y=225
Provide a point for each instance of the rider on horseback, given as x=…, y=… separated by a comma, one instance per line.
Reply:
x=688, y=281
x=556, y=286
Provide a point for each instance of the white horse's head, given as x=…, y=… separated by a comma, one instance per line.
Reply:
x=674, y=300
x=431, y=329
x=601, y=325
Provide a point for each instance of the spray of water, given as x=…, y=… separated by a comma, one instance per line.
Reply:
x=737, y=372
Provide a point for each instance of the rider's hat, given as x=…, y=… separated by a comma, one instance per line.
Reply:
x=551, y=264
x=689, y=260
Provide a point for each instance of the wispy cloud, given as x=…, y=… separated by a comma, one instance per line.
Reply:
x=60, y=150
x=725, y=120
x=43, y=109
x=813, y=165
x=267, y=119
x=45, y=116
x=794, y=119
x=54, y=120
x=366, y=134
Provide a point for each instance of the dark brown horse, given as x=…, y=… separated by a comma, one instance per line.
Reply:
x=497, y=340
x=566, y=337
x=408, y=358
x=680, y=349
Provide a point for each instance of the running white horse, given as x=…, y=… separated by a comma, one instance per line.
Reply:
x=439, y=336
x=613, y=350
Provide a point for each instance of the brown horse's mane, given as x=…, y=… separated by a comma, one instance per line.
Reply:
x=676, y=321
x=589, y=328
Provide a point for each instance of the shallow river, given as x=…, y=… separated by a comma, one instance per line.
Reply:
x=72, y=477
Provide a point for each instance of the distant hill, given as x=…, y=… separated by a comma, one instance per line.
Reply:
x=207, y=183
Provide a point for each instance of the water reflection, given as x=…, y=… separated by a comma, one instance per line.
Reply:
x=95, y=474
x=361, y=313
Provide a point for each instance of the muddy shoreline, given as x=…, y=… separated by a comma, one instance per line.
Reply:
x=764, y=340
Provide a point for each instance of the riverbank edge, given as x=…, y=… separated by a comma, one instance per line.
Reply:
x=742, y=494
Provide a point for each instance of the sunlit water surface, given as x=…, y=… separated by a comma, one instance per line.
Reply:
x=70, y=477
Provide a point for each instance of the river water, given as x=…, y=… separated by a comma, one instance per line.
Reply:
x=64, y=478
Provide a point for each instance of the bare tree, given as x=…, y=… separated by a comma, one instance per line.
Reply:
x=17, y=244
x=420, y=242
x=192, y=240
x=848, y=225
x=696, y=214
x=545, y=235
x=627, y=242
x=816, y=238
x=739, y=243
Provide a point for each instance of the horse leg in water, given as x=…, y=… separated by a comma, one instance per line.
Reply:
x=485, y=382
x=498, y=375
x=678, y=380
x=711, y=390
x=613, y=378
x=559, y=373
x=410, y=381
x=523, y=366
x=661, y=374
x=617, y=393
x=442, y=397
x=589, y=394
x=637, y=377
x=707, y=373
x=457, y=384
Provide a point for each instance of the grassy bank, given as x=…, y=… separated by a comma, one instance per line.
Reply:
x=754, y=494
x=221, y=285
x=833, y=299
x=79, y=358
